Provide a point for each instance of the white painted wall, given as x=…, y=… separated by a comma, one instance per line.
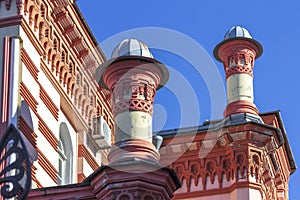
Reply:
x=51, y=91
x=86, y=169
x=43, y=177
x=30, y=49
x=240, y=87
x=133, y=125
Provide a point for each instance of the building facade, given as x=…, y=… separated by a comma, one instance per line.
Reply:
x=69, y=119
x=48, y=90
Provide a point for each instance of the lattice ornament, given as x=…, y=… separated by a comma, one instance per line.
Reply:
x=15, y=167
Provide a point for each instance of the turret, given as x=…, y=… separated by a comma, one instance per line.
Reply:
x=132, y=76
x=237, y=52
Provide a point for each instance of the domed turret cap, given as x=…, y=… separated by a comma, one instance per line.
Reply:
x=238, y=33
x=131, y=47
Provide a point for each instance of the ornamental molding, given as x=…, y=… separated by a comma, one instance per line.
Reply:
x=55, y=30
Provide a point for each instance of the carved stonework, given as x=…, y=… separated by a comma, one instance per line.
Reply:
x=135, y=180
x=226, y=169
x=255, y=165
x=67, y=68
x=133, y=84
x=180, y=171
x=239, y=166
x=210, y=171
x=195, y=173
x=19, y=5
x=132, y=194
x=240, y=61
x=133, y=95
x=132, y=105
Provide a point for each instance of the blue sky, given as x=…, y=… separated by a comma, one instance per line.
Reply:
x=275, y=24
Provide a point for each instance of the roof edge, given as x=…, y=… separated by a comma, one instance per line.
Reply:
x=206, y=126
x=89, y=30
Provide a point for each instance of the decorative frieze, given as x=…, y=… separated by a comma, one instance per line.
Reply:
x=240, y=61
x=66, y=53
x=224, y=168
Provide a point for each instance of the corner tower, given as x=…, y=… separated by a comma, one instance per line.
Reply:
x=238, y=52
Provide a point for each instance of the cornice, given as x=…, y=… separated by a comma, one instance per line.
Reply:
x=71, y=40
x=237, y=165
x=31, y=36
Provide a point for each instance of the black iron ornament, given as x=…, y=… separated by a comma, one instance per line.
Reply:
x=15, y=167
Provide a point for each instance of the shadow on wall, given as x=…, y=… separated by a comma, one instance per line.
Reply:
x=26, y=116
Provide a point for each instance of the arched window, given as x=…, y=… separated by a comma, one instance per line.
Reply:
x=65, y=151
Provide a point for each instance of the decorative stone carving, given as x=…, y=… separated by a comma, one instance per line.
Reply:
x=42, y=20
x=226, y=169
x=236, y=166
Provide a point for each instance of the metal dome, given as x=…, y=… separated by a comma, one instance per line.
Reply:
x=133, y=50
x=237, y=31
x=131, y=47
